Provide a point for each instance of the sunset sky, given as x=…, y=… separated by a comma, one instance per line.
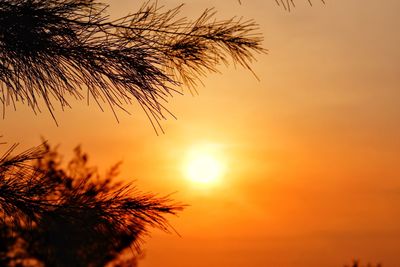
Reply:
x=308, y=155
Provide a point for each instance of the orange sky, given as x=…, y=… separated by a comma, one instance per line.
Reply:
x=312, y=149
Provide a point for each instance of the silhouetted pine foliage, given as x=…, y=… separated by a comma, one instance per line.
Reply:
x=289, y=4
x=55, y=215
x=356, y=263
x=54, y=48
x=52, y=215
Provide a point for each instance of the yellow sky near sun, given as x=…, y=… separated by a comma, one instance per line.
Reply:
x=312, y=150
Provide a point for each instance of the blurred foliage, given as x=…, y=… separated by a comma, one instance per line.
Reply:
x=356, y=263
x=56, y=215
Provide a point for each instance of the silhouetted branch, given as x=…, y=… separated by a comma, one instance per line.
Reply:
x=69, y=216
x=51, y=49
x=288, y=4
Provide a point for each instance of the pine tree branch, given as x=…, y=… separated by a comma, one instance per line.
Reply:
x=49, y=206
x=289, y=4
x=51, y=50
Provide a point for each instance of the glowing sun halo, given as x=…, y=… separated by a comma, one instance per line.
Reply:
x=203, y=167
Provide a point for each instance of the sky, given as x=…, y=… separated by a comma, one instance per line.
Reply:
x=310, y=151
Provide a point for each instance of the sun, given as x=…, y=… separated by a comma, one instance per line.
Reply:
x=203, y=169
x=203, y=166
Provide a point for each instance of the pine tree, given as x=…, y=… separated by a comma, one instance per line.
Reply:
x=71, y=216
x=55, y=50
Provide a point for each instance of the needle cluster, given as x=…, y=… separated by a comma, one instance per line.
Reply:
x=288, y=4
x=57, y=48
x=69, y=216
